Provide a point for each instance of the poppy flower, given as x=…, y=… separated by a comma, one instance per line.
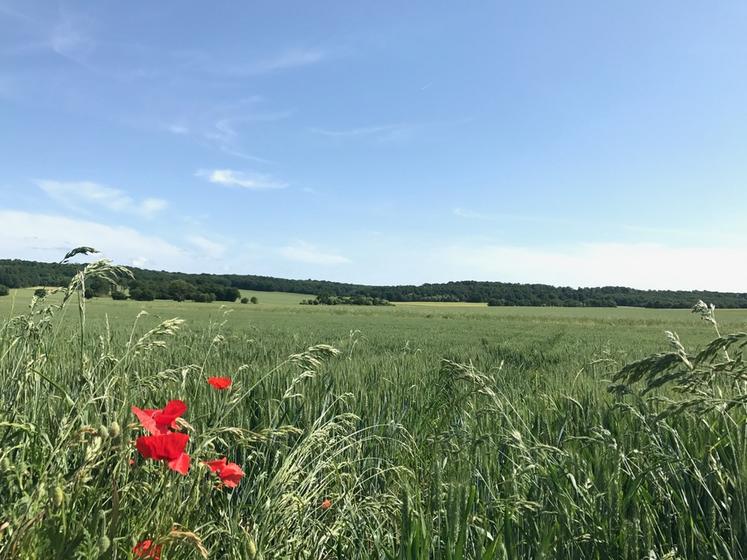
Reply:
x=326, y=504
x=158, y=421
x=146, y=549
x=220, y=383
x=166, y=447
x=230, y=474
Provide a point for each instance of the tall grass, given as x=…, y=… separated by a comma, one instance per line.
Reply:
x=522, y=453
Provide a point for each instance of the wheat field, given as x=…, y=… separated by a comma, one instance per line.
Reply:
x=427, y=431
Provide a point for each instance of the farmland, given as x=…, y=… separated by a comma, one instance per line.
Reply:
x=414, y=431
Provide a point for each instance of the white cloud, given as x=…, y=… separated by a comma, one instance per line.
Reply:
x=251, y=181
x=304, y=252
x=47, y=237
x=82, y=194
x=207, y=247
x=635, y=265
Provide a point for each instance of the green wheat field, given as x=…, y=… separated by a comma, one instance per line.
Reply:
x=408, y=431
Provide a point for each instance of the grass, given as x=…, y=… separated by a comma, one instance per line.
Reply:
x=436, y=431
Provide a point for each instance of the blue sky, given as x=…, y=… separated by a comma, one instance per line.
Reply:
x=574, y=143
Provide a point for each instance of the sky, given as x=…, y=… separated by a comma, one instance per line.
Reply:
x=575, y=143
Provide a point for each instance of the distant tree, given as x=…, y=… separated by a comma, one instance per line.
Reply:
x=4, y=291
x=226, y=293
x=179, y=290
x=118, y=295
x=99, y=287
x=89, y=293
x=254, y=300
x=139, y=293
x=40, y=292
x=244, y=300
x=204, y=297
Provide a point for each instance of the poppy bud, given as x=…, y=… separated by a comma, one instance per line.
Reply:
x=104, y=544
x=58, y=496
x=114, y=430
x=101, y=516
x=251, y=549
x=103, y=432
x=5, y=464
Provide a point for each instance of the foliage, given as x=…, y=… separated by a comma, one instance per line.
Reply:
x=18, y=273
x=4, y=291
x=345, y=300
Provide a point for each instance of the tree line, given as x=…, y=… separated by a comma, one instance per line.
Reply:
x=326, y=299
x=153, y=284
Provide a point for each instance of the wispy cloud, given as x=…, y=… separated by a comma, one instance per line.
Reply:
x=290, y=58
x=388, y=132
x=69, y=40
x=83, y=195
x=207, y=247
x=506, y=217
x=471, y=215
x=244, y=180
x=380, y=132
x=304, y=252
x=175, y=128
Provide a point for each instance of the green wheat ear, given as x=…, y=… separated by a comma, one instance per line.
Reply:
x=78, y=251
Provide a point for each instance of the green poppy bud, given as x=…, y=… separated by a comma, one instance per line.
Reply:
x=103, y=432
x=114, y=430
x=104, y=543
x=251, y=549
x=58, y=496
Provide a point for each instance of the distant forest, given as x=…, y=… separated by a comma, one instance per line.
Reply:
x=151, y=284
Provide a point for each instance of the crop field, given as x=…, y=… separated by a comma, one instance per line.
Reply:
x=410, y=431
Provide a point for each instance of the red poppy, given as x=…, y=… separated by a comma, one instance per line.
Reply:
x=158, y=421
x=146, y=549
x=220, y=383
x=166, y=447
x=230, y=473
x=326, y=504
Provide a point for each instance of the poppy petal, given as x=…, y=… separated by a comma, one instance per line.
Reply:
x=217, y=465
x=220, y=383
x=162, y=446
x=146, y=419
x=231, y=475
x=180, y=464
x=173, y=410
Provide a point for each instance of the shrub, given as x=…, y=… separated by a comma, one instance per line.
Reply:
x=254, y=300
x=142, y=294
x=204, y=297
x=118, y=295
x=40, y=292
x=245, y=300
x=4, y=291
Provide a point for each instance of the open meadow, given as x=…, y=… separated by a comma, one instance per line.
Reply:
x=407, y=431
